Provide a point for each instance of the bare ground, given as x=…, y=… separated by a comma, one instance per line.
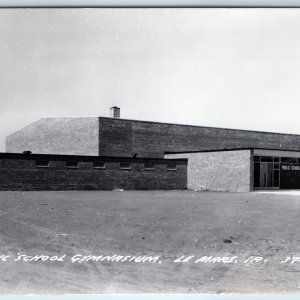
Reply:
x=164, y=223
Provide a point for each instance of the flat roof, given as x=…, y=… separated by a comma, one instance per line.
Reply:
x=232, y=149
x=34, y=156
x=197, y=126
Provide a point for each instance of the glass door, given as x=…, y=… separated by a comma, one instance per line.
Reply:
x=266, y=175
x=266, y=172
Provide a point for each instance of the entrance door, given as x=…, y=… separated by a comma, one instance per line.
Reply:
x=266, y=175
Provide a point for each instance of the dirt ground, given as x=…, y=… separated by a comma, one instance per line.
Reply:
x=168, y=224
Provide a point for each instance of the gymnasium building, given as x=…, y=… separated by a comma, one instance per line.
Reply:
x=106, y=153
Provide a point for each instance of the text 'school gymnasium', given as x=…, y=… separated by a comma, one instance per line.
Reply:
x=111, y=153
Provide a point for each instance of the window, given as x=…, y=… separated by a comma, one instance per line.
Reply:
x=72, y=164
x=266, y=159
x=125, y=166
x=149, y=166
x=256, y=158
x=256, y=174
x=289, y=159
x=171, y=167
x=276, y=178
x=42, y=163
x=99, y=165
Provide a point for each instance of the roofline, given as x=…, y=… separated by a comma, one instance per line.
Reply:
x=156, y=122
x=229, y=149
x=51, y=117
x=11, y=155
x=199, y=126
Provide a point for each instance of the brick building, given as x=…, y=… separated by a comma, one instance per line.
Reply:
x=218, y=159
x=242, y=170
x=74, y=172
x=120, y=137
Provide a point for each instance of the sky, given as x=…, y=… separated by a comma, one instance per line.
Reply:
x=232, y=68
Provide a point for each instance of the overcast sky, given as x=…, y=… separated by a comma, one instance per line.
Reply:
x=236, y=68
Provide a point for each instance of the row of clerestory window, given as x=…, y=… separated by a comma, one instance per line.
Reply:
x=101, y=165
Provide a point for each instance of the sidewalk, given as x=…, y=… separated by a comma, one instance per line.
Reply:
x=281, y=192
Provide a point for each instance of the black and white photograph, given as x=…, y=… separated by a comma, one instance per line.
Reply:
x=149, y=151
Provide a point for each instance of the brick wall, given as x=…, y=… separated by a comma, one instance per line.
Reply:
x=22, y=174
x=120, y=137
x=227, y=171
x=150, y=139
x=74, y=136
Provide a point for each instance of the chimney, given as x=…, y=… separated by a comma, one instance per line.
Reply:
x=115, y=112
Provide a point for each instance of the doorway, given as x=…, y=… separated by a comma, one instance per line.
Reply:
x=266, y=175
